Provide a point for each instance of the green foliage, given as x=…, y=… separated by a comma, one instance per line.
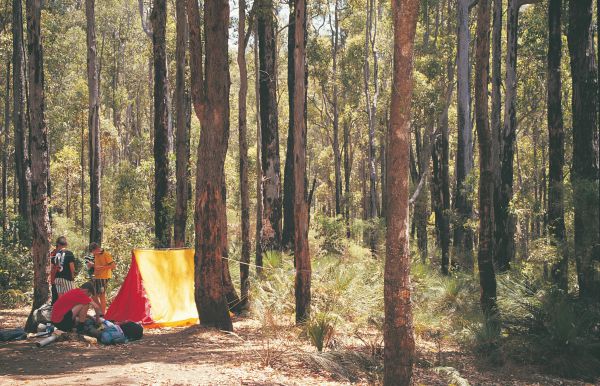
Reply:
x=332, y=231
x=320, y=329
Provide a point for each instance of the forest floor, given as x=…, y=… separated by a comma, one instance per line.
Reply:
x=199, y=356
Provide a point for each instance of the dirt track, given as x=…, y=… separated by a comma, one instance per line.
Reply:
x=199, y=356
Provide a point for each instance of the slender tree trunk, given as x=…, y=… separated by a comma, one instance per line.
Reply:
x=584, y=172
x=496, y=104
x=5, y=148
x=259, y=175
x=22, y=170
x=441, y=179
x=162, y=222
x=463, y=236
x=421, y=207
x=211, y=104
x=301, y=252
x=287, y=237
x=40, y=164
x=487, y=276
x=336, y=115
x=347, y=172
x=93, y=73
x=243, y=143
x=504, y=221
x=371, y=102
x=182, y=135
x=271, y=222
x=398, y=333
x=82, y=177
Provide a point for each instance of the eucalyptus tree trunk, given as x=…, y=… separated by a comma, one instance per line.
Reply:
x=463, y=235
x=398, y=335
x=421, y=207
x=371, y=103
x=487, y=276
x=584, y=172
x=94, y=143
x=505, y=222
x=347, y=173
x=210, y=98
x=162, y=221
x=243, y=161
x=272, y=205
x=441, y=179
x=40, y=163
x=182, y=135
x=5, y=151
x=301, y=252
x=259, y=174
x=22, y=168
x=287, y=236
x=337, y=157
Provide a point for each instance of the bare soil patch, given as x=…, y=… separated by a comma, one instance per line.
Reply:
x=200, y=356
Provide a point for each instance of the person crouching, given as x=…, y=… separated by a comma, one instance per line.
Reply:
x=70, y=310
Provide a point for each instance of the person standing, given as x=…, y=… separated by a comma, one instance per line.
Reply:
x=103, y=264
x=64, y=264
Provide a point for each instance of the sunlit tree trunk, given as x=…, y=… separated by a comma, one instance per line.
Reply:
x=243, y=160
x=210, y=98
x=371, y=106
x=162, y=223
x=399, y=349
x=22, y=170
x=182, y=134
x=301, y=252
x=272, y=206
x=259, y=175
x=584, y=172
x=463, y=236
x=487, y=276
x=94, y=126
x=40, y=163
x=337, y=158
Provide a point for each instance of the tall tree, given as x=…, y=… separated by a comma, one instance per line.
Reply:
x=441, y=178
x=337, y=157
x=243, y=143
x=301, y=252
x=96, y=224
x=287, y=236
x=556, y=139
x=162, y=223
x=505, y=222
x=182, y=135
x=271, y=221
x=210, y=98
x=487, y=276
x=584, y=171
x=398, y=333
x=40, y=163
x=259, y=175
x=371, y=106
x=22, y=170
x=463, y=236
x=5, y=151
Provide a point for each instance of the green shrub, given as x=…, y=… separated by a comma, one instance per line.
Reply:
x=332, y=232
x=320, y=329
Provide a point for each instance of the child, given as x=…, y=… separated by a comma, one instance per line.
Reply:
x=102, y=265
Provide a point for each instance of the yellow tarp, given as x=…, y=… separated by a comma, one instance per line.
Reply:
x=168, y=280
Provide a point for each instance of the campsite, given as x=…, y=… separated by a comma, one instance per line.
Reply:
x=299, y=192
